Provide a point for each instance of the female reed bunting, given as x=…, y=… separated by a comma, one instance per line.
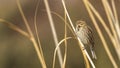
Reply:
x=84, y=32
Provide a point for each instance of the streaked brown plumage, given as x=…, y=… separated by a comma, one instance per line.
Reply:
x=84, y=32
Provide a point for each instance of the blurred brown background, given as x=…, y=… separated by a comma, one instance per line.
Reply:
x=16, y=51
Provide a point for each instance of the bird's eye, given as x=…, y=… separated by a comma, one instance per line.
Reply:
x=78, y=26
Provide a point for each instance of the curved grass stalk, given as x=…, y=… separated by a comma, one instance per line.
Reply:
x=57, y=49
x=58, y=15
x=36, y=29
x=32, y=38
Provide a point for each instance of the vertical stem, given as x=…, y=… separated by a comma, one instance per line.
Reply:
x=65, y=36
x=53, y=31
x=81, y=44
x=36, y=29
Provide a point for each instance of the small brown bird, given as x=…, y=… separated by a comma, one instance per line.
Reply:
x=84, y=32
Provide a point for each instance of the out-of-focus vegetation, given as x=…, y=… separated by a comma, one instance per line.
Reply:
x=17, y=51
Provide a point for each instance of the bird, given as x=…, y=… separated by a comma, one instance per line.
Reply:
x=85, y=34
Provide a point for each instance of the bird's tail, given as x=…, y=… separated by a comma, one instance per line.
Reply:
x=93, y=53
